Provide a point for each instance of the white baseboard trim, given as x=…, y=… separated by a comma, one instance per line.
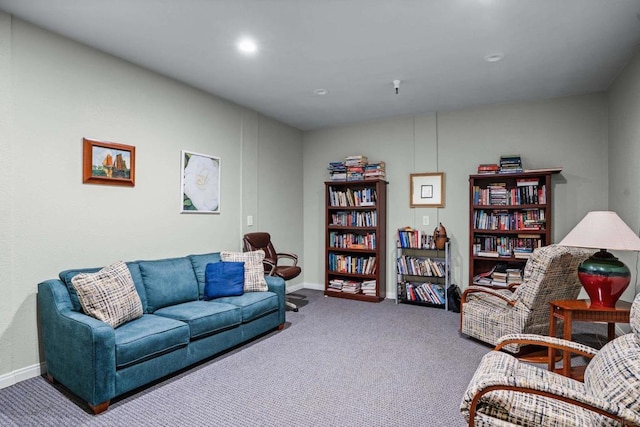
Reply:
x=22, y=374
x=314, y=286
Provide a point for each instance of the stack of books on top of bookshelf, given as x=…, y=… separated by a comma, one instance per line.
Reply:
x=374, y=170
x=488, y=168
x=356, y=168
x=337, y=171
x=511, y=163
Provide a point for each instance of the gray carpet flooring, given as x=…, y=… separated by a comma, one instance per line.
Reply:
x=337, y=363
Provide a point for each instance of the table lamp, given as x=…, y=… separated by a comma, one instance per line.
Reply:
x=602, y=275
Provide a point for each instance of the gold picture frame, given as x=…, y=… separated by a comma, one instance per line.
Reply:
x=426, y=190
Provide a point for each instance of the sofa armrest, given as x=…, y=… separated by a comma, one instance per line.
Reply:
x=79, y=350
x=277, y=285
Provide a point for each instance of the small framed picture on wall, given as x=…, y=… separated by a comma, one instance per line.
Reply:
x=426, y=190
x=108, y=163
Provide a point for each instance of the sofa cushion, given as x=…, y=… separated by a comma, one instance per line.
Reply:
x=109, y=294
x=253, y=268
x=199, y=263
x=203, y=317
x=67, y=275
x=168, y=281
x=253, y=304
x=224, y=279
x=147, y=337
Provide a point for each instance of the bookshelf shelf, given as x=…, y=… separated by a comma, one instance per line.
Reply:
x=510, y=215
x=423, y=276
x=355, y=239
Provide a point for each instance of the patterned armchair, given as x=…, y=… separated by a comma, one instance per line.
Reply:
x=550, y=274
x=507, y=392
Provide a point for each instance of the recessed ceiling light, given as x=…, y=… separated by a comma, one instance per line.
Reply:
x=247, y=46
x=321, y=91
x=494, y=57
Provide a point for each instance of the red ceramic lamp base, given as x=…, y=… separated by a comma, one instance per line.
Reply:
x=605, y=278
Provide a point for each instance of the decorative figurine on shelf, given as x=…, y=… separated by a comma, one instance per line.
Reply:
x=440, y=236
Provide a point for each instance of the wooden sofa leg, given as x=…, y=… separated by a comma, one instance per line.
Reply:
x=50, y=378
x=281, y=326
x=100, y=407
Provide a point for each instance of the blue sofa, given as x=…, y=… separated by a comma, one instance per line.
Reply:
x=178, y=328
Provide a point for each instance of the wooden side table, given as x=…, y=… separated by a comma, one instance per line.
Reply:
x=581, y=310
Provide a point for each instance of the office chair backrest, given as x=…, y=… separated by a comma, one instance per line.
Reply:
x=260, y=240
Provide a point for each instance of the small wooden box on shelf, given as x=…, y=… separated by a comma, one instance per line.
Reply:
x=423, y=273
x=509, y=216
x=355, y=235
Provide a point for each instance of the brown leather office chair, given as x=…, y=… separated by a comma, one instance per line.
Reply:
x=262, y=240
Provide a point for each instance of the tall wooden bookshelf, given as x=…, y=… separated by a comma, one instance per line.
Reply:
x=509, y=215
x=355, y=239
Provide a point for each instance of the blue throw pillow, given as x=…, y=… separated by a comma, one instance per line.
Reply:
x=223, y=279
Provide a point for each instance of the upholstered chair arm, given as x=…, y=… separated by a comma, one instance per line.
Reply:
x=292, y=257
x=545, y=341
x=277, y=285
x=269, y=267
x=533, y=385
x=513, y=286
x=490, y=291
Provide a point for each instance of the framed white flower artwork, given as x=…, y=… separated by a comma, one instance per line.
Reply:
x=200, y=183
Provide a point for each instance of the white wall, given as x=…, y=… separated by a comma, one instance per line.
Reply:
x=624, y=152
x=569, y=132
x=54, y=92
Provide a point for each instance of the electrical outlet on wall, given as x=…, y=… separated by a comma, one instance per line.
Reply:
x=249, y=220
x=425, y=220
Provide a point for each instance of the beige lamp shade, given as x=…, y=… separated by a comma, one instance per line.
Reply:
x=602, y=230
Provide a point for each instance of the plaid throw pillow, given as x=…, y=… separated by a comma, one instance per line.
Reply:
x=109, y=294
x=253, y=268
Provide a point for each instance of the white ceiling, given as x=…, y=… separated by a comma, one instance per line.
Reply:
x=356, y=48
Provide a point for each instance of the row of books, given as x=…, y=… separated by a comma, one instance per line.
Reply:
x=433, y=293
x=342, y=263
x=355, y=219
x=351, y=197
x=526, y=219
x=356, y=168
x=352, y=240
x=498, y=194
x=367, y=287
x=416, y=266
x=520, y=246
x=416, y=239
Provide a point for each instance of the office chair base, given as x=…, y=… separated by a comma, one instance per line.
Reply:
x=292, y=306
